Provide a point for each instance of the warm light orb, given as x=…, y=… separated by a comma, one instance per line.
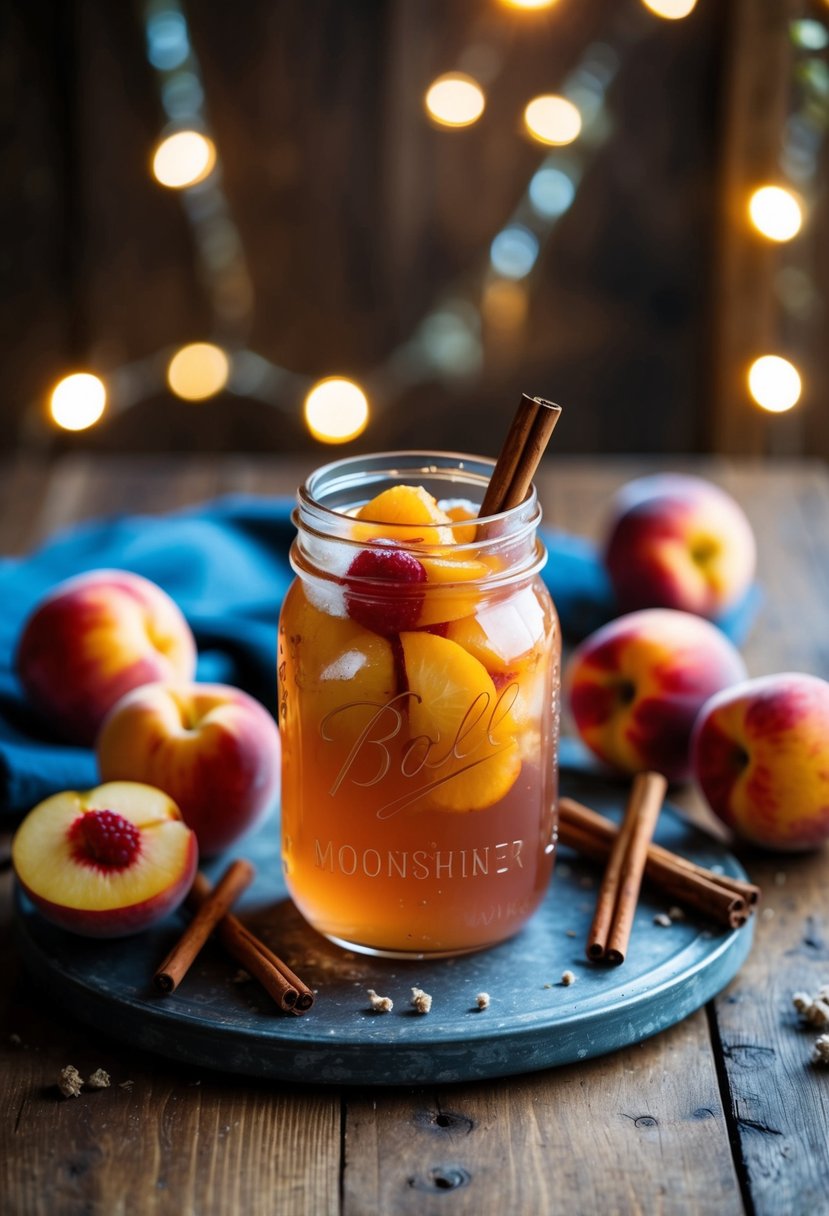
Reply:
x=671, y=10
x=552, y=120
x=336, y=410
x=528, y=4
x=455, y=100
x=198, y=371
x=775, y=212
x=774, y=383
x=78, y=401
x=184, y=159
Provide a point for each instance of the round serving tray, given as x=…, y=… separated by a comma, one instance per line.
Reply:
x=533, y=1020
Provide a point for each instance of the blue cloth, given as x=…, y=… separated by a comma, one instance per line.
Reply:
x=226, y=565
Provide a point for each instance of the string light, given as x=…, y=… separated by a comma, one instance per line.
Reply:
x=184, y=159
x=505, y=304
x=78, y=401
x=198, y=371
x=671, y=10
x=774, y=383
x=552, y=120
x=513, y=252
x=551, y=192
x=455, y=100
x=336, y=410
x=775, y=212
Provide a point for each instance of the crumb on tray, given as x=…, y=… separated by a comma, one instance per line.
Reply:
x=380, y=1004
x=421, y=1000
x=70, y=1082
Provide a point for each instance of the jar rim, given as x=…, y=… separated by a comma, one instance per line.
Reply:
x=348, y=473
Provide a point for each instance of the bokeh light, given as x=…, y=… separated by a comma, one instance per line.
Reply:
x=551, y=192
x=505, y=304
x=775, y=212
x=455, y=100
x=198, y=371
x=774, y=383
x=513, y=252
x=552, y=120
x=336, y=410
x=671, y=10
x=78, y=401
x=528, y=4
x=184, y=159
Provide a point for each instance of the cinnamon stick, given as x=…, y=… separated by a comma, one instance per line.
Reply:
x=619, y=892
x=284, y=987
x=233, y=882
x=720, y=897
x=526, y=439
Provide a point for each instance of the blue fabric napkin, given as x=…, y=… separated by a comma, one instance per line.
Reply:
x=226, y=565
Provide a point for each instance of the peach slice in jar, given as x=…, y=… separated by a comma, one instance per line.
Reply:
x=462, y=729
x=408, y=514
x=446, y=598
x=335, y=660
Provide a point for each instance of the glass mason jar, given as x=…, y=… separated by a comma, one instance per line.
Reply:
x=419, y=673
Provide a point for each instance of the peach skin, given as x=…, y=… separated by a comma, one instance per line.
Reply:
x=636, y=685
x=761, y=758
x=94, y=638
x=676, y=541
x=211, y=747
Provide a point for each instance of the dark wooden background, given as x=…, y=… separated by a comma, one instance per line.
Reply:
x=355, y=214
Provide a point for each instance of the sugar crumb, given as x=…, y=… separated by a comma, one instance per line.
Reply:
x=820, y=1051
x=813, y=1009
x=70, y=1082
x=129, y=1084
x=421, y=1000
x=568, y=978
x=663, y=920
x=482, y=1000
x=767, y=914
x=99, y=1079
x=380, y=1004
x=676, y=913
x=570, y=933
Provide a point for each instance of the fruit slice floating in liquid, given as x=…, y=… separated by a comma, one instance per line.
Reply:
x=403, y=513
x=461, y=727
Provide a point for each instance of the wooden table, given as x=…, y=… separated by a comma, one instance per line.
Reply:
x=721, y=1114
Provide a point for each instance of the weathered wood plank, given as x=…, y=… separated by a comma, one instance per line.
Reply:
x=642, y=1131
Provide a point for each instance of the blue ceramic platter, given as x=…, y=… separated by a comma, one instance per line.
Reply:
x=533, y=1020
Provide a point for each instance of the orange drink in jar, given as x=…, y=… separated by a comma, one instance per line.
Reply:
x=419, y=671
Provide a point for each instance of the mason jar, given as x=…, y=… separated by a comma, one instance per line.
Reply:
x=419, y=673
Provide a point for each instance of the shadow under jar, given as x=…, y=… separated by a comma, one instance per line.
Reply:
x=419, y=673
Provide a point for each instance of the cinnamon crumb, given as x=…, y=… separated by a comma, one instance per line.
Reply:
x=15, y=1040
x=99, y=1079
x=380, y=1004
x=126, y=1085
x=586, y=882
x=570, y=933
x=820, y=1051
x=421, y=1000
x=567, y=978
x=780, y=878
x=241, y=977
x=676, y=913
x=813, y=1009
x=70, y=1082
x=663, y=920
x=482, y=1000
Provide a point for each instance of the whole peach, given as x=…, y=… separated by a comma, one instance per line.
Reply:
x=92, y=639
x=636, y=685
x=107, y=862
x=211, y=747
x=760, y=754
x=676, y=541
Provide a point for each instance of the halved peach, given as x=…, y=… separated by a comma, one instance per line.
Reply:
x=107, y=862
